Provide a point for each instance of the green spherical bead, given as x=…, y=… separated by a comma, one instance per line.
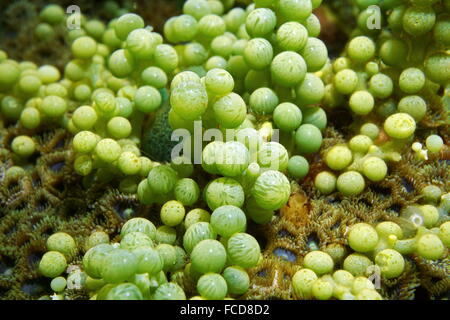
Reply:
x=30, y=118
x=124, y=291
x=139, y=225
x=436, y=67
x=208, y=256
x=58, y=284
x=292, y=36
x=430, y=247
x=187, y=191
x=162, y=179
x=52, y=264
x=230, y=110
x=357, y=264
x=302, y=282
x=148, y=260
x=338, y=157
x=121, y=63
x=53, y=106
x=287, y=116
x=84, y=117
x=93, y=259
x=350, y=183
x=96, y=238
x=84, y=47
x=315, y=116
x=381, y=86
x=298, y=167
x=196, y=215
x=308, y=138
x=227, y=220
x=237, y=280
x=127, y=23
x=322, y=289
x=172, y=213
x=108, y=150
x=360, y=143
x=212, y=286
x=434, y=143
x=288, y=69
x=400, y=126
x=315, y=54
x=118, y=266
x=243, y=250
x=61, y=242
x=166, y=234
x=271, y=190
x=258, y=54
x=361, y=49
x=169, y=291
x=319, y=262
x=197, y=232
x=260, y=22
x=390, y=262
x=133, y=240
x=325, y=182
x=362, y=237
x=415, y=106
x=375, y=169
x=411, y=80
x=23, y=146
x=310, y=91
x=295, y=10
x=418, y=21
x=345, y=81
x=361, y=102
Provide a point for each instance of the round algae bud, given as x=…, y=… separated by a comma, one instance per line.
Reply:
x=350, y=183
x=172, y=213
x=390, y=262
x=61, y=242
x=134, y=240
x=430, y=247
x=338, y=157
x=343, y=278
x=357, y=264
x=362, y=237
x=375, y=169
x=444, y=233
x=400, y=125
x=52, y=264
x=325, y=182
x=212, y=286
x=196, y=215
x=302, y=282
x=361, y=283
x=387, y=228
x=237, y=279
x=430, y=215
x=208, y=256
x=23, y=146
x=319, y=262
x=139, y=225
x=243, y=250
x=322, y=289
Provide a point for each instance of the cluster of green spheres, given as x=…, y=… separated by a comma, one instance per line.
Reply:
x=146, y=263
x=249, y=89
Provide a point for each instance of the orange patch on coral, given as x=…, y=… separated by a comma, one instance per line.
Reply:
x=296, y=210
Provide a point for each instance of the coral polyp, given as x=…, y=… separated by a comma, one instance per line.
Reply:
x=222, y=149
